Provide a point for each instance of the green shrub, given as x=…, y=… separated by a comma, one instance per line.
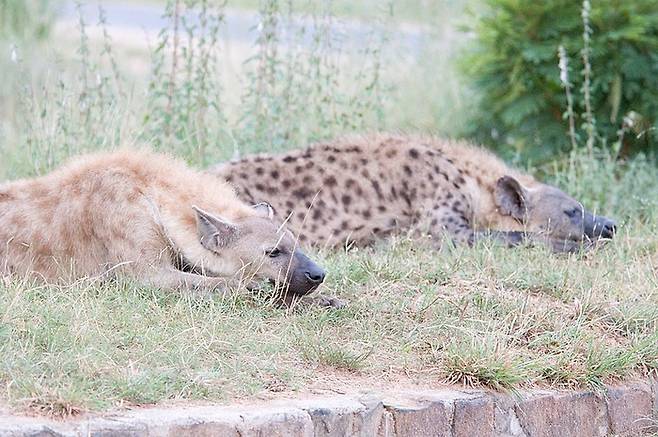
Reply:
x=25, y=18
x=515, y=67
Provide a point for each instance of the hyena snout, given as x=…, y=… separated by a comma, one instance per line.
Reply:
x=305, y=276
x=600, y=227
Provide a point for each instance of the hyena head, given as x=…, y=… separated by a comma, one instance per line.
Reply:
x=543, y=209
x=260, y=248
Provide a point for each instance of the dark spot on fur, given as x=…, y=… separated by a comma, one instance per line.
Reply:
x=413, y=153
x=290, y=204
x=307, y=179
x=381, y=208
x=394, y=193
x=460, y=180
x=346, y=199
x=364, y=161
x=274, y=174
x=301, y=193
x=434, y=222
x=309, y=165
x=286, y=183
x=390, y=153
x=344, y=225
x=260, y=187
x=377, y=188
x=330, y=181
x=289, y=158
x=298, y=168
x=407, y=170
x=331, y=158
x=449, y=195
x=367, y=214
x=259, y=171
x=350, y=183
x=317, y=213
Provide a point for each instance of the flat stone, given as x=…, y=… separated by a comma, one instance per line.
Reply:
x=279, y=422
x=426, y=415
x=630, y=408
x=473, y=417
x=654, y=389
x=564, y=415
x=335, y=417
x=506, y=422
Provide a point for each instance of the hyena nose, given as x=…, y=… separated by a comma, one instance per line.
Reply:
x=609, y=229
x=316, y=277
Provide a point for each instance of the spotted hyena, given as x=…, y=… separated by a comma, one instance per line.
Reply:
x=148, y=217
x=362, y=188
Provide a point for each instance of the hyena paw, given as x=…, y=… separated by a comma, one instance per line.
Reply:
x=331, y=302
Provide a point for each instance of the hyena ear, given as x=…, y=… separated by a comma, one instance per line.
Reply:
x=214, y=232
x=511, y=198
x=264, y=209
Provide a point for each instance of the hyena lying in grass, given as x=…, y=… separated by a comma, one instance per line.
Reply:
x=362, y=188
x=147, y=217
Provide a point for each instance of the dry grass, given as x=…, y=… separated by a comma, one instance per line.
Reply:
x=481, y=316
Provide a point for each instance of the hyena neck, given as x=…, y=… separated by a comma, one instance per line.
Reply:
x=482, y=184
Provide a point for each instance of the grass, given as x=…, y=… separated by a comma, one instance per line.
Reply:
x=482, y=316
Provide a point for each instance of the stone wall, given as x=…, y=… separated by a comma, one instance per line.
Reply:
x=630, y=410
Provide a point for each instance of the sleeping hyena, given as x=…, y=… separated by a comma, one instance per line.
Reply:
x=148, y=217
x=361, y=188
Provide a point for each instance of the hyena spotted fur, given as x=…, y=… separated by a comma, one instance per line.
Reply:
x=148, y=217
x=358, y=189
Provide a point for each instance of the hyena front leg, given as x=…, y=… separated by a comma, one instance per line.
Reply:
x=169, y=278
x=446, y=224
x=454, y=225
x=319, y=300
x=508, y=238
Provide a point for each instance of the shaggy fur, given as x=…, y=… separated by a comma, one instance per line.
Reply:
x=145, y=216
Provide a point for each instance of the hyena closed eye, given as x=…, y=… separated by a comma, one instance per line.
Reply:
x=148, y=217
x=362, y=188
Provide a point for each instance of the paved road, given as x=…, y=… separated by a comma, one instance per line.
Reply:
x=240, y=26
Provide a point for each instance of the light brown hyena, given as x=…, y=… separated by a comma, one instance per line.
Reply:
x=148, y=217
x=361, y=188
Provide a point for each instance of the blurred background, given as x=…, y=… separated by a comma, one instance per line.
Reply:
x=210, y=80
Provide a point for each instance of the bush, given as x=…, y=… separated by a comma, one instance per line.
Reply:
x=515, y=67
x=25, y=18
